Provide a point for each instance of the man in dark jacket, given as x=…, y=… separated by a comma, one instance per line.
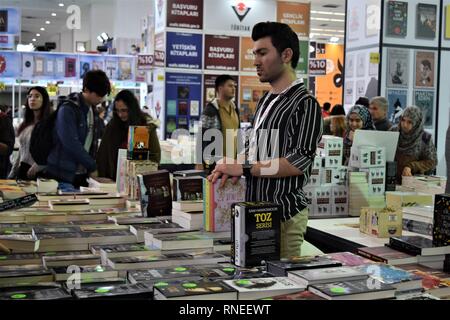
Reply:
x=223, y=115
x=75, y=135
x=7, y=139
x=378, y=109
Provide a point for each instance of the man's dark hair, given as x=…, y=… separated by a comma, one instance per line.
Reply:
x=282, y=37
x=426, y=63
x=364, y=101
x=97, y=81
x=220, y=80
x=338, y=110
x=326, y=106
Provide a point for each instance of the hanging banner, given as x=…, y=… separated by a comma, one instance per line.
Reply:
x=186, y=14
x=237, y=16
x=10, y=21
x=160, y=15
x=9, y=64
x=183, y=96
x=157, y=110
x=317, y=67
x=295, y=15
x=303, y=66
x=221, y=53
x=184, y=50
x=145, y=61
x=247, y=56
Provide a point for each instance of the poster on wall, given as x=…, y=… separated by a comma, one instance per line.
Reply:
x=112, y=68
x=60, y=67
x=397, y=102
x=361, y=60
x=397, y=19
x=355, y=21
x=295, y=15
x=237, y=16
x=424, y=99
x=251, y=90
x=447, y=22
x=221, y=53
x=247, y=56
x=126, y=68
x=27, y=65
x=426, y=21
x=184, y=50
x=424, y=71
x=398, y=67
x=372, y=19
x=183, y=96
x=350, y=66
x=329, y=86
x=85, y=65
x=186, y=14
x=349, y=93
x=209, y=88
x=9, y=64
x=7, y=42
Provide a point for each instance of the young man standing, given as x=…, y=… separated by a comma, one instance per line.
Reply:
x=294, y=117
x=221, y=114
x=75, y=136
x=378, y=108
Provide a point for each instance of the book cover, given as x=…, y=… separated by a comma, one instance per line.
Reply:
x=426, y=21
x=70, y=67
x=257, y=288
x=447, y=22
x=120, y=291
x=125, y=69
x=386, y=255
x=324, y=275
x=424, y=70
x=220, y=201
x=441, y=227
x=281, y=267
x=195, y=290
x=155, y=194
x=256, y=235
x=397, y=18
x=424, y=99
x=3, y=20
x=43, y=294
x=359, y=289
x=304, y=295
x=138, y=137
x=188, y=188
x=398, y=67
x=397, y=101
x=347, y=258
x=417, y=245
x=388, y=274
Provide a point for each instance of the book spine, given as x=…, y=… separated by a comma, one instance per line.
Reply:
x=233, y=235
x=404, y=247
x=371, y=256
x=239, y=246
x=205, y=204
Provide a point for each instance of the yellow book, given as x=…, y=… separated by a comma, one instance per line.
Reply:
x=447, y=22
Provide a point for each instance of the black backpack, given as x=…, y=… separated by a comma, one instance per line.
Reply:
x=41, y=141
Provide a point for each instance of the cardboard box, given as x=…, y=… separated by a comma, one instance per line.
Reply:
x=367, y=157
x=339, y=200
x=331, y=148
x=377, y=180
x=381, y=222
x=397, y=199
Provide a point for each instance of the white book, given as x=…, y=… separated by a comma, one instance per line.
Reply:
x=258, y=288
x=326, y=275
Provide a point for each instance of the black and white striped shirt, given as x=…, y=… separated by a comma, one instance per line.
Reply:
x=298, y=118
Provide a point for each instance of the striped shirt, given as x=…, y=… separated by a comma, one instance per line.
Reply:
x=297, y=117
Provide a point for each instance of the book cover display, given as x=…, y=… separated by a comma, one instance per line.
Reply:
x=138, y=137
x=397, y=18
x=155, y=195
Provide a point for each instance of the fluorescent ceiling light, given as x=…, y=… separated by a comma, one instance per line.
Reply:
x=53, y=14
x=61, y=4
x=47, y=22
x=34, y=40
x=38, y=34
x=42, y=29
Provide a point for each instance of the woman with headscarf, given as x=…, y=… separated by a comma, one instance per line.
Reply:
x=358, y=118
x=127, y=112
x=416, y=153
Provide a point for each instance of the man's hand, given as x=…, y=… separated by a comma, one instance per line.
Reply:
x=407, y=172
x=31, y=174
x=225, y=169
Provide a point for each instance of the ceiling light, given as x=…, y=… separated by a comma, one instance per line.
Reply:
x=334, y=39
x=61, y=4
x=38, y=34
x=42, y=29
x=47, y=22
x=34, y=40
x=53, y=14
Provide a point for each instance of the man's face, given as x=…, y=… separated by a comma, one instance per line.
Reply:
x=227, y=90
x=376, y=112
x=268, y=63
x=424, y=71
x=92, y=98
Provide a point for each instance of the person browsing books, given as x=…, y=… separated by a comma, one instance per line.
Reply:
x=127, y=112
x=416, y=153
x=75, y=136
x=358, y=118
x=37, y=108
x=287, y=118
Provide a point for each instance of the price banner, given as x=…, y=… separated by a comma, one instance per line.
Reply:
x=160, y=58
x=145, y=61
x=317, y=67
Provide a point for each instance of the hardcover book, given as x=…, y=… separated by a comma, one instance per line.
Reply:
x=353, y=290
x=426, y=21
x=195, y=290
x=281, y=268
x=154, y=193
x=417, y=245
x=441, y=227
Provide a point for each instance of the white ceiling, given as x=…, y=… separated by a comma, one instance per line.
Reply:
x=326, y=22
